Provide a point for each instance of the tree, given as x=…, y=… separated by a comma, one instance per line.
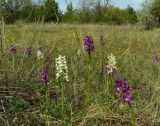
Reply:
x=12, y=8
x=132, y=16
x=69, y=14
x=70, y=9
x=150, y=14
x=155, y=10
x=51, y=12
x=98, y=11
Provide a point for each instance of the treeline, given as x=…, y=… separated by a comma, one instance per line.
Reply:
x=100, y=13
x=150, y=14
x=48, y=11
x=30, y=10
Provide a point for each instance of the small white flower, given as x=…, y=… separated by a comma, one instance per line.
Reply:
x=112, y=61
x=61, y=67
x=111, y=65
x=39, y=54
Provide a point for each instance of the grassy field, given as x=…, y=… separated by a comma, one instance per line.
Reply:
x=89, y=96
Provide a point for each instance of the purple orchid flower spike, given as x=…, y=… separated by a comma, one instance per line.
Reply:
x=156, y=58
x=29, y=50
x=128, y=99
x=45, y=76
x=88, y=43
x=13, y=49
x=122, y=87
x=48, y=59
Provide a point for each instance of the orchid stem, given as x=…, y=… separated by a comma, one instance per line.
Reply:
x=62, y=102
x=47, y=106
x=106, y=87
x=89, y=80
x=133, y=121
x=13, y=63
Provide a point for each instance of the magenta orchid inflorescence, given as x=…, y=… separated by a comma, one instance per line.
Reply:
x=155, y=58
x=13, y=49
x=88, y=43
x=29, y=50
x=122, y=86
x=48, y=59
x=45, y=75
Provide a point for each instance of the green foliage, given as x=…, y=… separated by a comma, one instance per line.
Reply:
x=132, y=16
x=150, y=14
x=149, y=22
x=155, y=9
x=48, y=11
x=101, y=14
x=17, y=103
x=14, y=10
x=98, y=12
x=69, y=14
x=51, y=11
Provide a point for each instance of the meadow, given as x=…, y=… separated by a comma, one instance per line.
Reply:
x=87, y=97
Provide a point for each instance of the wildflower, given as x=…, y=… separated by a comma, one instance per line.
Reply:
x=39, y=54
x=112, y=61
x=110, y=67
x=122, y=86
x=29, y=50
x=102, y=40
x=106, y=69
x=88, y=43
x=29, y=94
x=155, y=58
x=13, y=49
x=61, y=68
x=128, y=99
x=45, y=75
x=40, y=49
x=48, y=59
x=62, y=71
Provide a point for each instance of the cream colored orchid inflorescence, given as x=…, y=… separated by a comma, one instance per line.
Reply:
x=39, y=54
x=61, y=67
x=111, y=65
x=112, y=61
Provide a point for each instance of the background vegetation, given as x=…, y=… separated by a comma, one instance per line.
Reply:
x=90, y=11
x=48, y=11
